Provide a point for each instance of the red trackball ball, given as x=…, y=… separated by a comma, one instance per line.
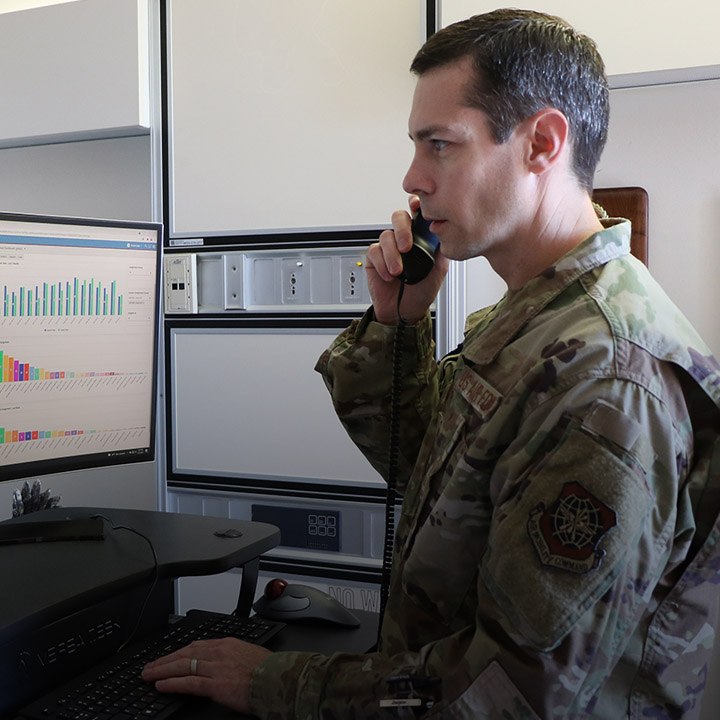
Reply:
x=274, y=589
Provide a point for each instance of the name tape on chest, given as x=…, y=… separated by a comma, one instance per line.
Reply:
x=483, y=397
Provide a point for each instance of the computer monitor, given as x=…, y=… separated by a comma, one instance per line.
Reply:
x=78, y=343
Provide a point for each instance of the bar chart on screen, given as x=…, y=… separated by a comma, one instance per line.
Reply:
x=76, y=299
x=60, y=395
x=70, y=297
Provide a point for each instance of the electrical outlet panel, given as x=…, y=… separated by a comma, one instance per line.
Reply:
x=319, y=279
x=276, y=280
x=181, y=283
x=352, y=279
x=314, y=529
x=293, y=281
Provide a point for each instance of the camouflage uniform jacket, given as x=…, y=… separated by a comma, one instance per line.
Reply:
x=557, y=553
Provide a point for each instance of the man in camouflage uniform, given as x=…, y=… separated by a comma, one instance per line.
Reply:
x=557, y=553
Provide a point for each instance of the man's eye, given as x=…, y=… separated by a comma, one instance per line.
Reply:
x=439, y=145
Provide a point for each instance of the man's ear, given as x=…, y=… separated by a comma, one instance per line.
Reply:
x=547, y=134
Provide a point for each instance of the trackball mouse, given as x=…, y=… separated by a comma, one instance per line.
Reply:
x=288, y=602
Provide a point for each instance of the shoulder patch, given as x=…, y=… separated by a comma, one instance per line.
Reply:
x=583, y=502
x=566, y=535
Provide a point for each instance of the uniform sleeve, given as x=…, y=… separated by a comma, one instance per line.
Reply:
x=302, y=685
x=357, y=370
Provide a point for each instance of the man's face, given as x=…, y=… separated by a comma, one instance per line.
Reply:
x=470, y=186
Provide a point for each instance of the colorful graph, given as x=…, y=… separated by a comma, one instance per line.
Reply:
x=13, y=370
x=76, y=298
x=15, y=436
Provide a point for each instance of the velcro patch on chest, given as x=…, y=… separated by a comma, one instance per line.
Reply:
x=482, y=396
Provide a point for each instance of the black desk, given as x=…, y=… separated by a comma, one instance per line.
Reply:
x=58, y=578
x=45, y=586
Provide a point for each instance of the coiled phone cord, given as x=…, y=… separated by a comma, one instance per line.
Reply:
x=393, y=451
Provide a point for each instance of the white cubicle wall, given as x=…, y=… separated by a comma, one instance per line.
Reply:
x=247, y=403
x=289, y=115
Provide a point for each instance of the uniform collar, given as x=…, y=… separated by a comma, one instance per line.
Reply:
x=487, y=332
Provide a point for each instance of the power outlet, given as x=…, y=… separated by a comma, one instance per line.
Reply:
x=293, y=278
x=352, y=279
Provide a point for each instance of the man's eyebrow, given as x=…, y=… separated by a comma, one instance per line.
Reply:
x=428, y=132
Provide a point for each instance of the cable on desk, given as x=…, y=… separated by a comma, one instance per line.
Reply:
x=156, y=575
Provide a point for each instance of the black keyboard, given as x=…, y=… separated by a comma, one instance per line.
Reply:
x=114, y=689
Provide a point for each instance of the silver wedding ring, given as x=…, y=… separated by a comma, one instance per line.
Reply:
x=193, y=666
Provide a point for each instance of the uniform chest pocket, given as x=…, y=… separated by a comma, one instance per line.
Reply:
x=442, y=564
x=437, y=445
x=450, y=533
x=449, y=517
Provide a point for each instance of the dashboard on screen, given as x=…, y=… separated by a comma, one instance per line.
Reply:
x=78, y=343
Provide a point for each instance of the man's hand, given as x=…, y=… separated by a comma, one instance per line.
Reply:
x=218, y=669
x=384, y=264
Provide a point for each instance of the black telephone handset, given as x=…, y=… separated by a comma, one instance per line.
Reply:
x=419, y=260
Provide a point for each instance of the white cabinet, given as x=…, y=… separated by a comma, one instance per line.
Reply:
x=642, y=42
x=74, y=71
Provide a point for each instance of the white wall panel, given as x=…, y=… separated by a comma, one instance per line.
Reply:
x=289, y=115
x=635, y=38
x=248, y=403
x=101, y=178
x=79, y=71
